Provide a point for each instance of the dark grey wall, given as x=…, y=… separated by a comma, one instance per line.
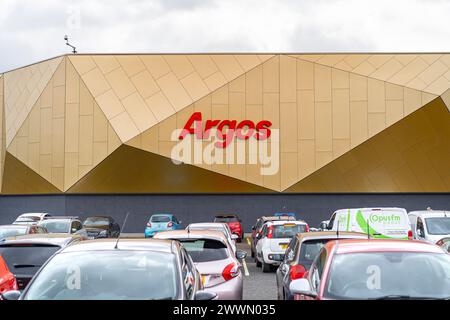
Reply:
x=196, y=208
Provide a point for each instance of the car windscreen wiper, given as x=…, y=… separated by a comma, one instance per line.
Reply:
x=401, y=297
x=18, y=266
x=165, y=298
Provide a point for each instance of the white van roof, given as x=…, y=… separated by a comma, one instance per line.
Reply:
x=430, y=213
x=373, y=209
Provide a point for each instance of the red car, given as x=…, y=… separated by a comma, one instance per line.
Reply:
x=7, y=280
x=376, y=269
x=233, y=221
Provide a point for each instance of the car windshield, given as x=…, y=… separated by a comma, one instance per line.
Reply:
x=12, y=231
x=26, y=259
x=160, y=219
x=205, y=250
x=226, y=219
x=107, y=275
x=287, y=230
x=382, y=274
x=438, y=226
x=310, y=249
x=96, y=221
x=27, y=219
x=56, y=225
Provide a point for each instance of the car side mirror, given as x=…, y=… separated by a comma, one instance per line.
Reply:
x=420, y=233
x=301, y=287
x=234, y=236
x=11, y=295
x=205, y=295
x=241, y=254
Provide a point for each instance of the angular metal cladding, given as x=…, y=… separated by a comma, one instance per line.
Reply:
x=325, y=107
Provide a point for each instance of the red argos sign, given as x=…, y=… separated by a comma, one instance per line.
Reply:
x=226, y=130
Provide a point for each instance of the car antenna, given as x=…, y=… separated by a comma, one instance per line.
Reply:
x=123, y=227
x=337, y=229
x=368, y=230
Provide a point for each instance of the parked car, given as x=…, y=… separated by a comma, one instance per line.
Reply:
x=444, y=243
x=274, y=240
x=64, y=224
x=31, y=218
x=217, y=226
x=24, y=255
x=7, y=280
x=214, y=258
x=12, y=230
x=300, y=254
x=376, y=269
x=390, y=223
x=161, y=222
x=285, y=214
x=430, y=225
x=134, y=269
x=101, y=227
x=234, y=222
x=256, y=229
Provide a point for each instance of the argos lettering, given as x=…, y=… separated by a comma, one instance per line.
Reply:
x=225, y=130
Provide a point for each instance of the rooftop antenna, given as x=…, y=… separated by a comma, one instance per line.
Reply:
x=368, y=230
x=74, y=51
x=123, y=227
x=337, y=230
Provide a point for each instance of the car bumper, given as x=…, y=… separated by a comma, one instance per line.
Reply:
x=269, y=258
x=229, y=290
x=149, y=233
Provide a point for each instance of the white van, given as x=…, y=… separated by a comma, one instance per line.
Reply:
x=383, y=223
x=430, y=225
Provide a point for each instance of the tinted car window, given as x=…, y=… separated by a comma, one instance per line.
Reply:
x=96, y=221
x=310, y=249
x=56, y=225
x=160, y=219
x=205, y=250
x=438, y=225
x=98, y=275
x=26, y=259
x=226, y=219
x=12, y=232
x=287, y=230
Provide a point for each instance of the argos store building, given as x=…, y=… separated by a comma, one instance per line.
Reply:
x=201, y=134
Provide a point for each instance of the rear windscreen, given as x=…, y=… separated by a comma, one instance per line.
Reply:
x=287, y=230
x=12, y=232
x=226, y=219
x=26, y=259
x=160, y=219
x=310, y=249
x=205, y=250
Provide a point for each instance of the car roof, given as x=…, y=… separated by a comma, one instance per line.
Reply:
x=46, y=238
x=129, y=244
x=329, y=235
x=33, y=214
x=14, y=226
x=431, y=213
x=162, y=214
x=61, y=218
x=208, y=224
x=381, y=245
x=106, y=217
x=281, y=222
x=226, y=215
x=372, y=209
x=194, y=234
x=272, y=218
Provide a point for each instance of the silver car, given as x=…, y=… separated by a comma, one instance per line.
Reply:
x=214, y=258
x=216, y=226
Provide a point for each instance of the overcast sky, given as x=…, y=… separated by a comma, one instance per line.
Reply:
x=34, y=30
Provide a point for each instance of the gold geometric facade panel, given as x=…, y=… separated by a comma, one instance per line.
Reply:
x=39, y=142
x=137, y=91
x=253, y=96
x=89, y=137
x=2, y=131
x=424, y=72
x=20, y=179
x=325, y=112
x=22, y=89
x=446, y=98
x=130, y=170
x=413, y=155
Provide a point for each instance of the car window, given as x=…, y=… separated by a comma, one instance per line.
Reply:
x=97, y=221
x=226, y=219
x=56, y=225
x=188, y=274
x=419, y=227
x=77, y=225
x=205, y=250
x=333, y=217
x=438, y=225
x=291, y=250
x=158, y=219
x=12, y=232
x=287, y=230
x=317, y=269
x=310, y=249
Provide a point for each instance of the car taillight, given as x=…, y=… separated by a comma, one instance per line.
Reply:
x=297, y=271
x=231, y=271
x=149, y=224
x=170, y=224
x=410, y=235
x=270, y=233
x=307, y=228
x=14, y=285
